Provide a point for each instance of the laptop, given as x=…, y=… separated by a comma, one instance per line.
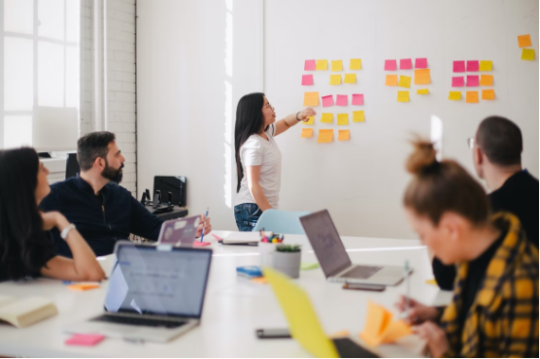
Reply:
x=304, y=324
x=335, y=261
x=179, y=231
x=155, y=293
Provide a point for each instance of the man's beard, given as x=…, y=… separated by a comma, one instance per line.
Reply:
x=112, y=174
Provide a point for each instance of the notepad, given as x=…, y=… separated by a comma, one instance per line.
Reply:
x=327, y=117
x=307, y=80
x=404, y=81
x=355, y=64
x=310, y=65
x=341, y=100
x=524, y=40
x=391, y=80
x=379, y=327
x=307, y=133
x=422, y=77
x=458, y=81
x=421, y=63
x=459, y=66
x=358, y=99
x=486, y=80
x=528, y=54
x=350, y=79
x=81, y=287
x=422, y=92
x=472, y=80
x=486, y=65
x=390, y=65
x=311, y=99
x=472, y=97
x=472, y=66
x=344, y=135
x=405, y=64
x=454, y=96
x=342, y=119
x=335, y=79
x=337, y=65
x=310, y=121
x=403, y=96
x=327, y=101
x=25, y=312
x=245, y=237
x=85, y=340
x=322, y=65
x=358, y=116
x=325, y=136
x=488, y=94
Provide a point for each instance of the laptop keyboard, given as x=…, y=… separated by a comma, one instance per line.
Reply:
x=361, y=272
x=147, y=322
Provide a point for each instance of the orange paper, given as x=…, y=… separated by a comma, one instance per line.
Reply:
x=422, y=77
x=307, y=133
x=472, y=97
x=83, y=286
x=488, y=94
x=391, y=80
x=344, y=135
x=486, y=80
x=524, y=41
x=311, y=99
x=325, y=136
x=263, y=280
x=380, y=329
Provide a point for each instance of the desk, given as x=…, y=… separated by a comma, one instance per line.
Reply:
x=234, y=307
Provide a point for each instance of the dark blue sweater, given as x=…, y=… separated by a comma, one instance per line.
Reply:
x=101, y=220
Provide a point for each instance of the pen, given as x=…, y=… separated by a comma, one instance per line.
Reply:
x=204, y=222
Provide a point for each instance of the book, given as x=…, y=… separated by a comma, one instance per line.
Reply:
x=25, y=312
x=245, y=237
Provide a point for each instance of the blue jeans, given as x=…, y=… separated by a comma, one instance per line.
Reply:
x=246, y=215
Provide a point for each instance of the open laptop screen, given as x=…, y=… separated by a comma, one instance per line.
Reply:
x=326, y=243
x=146, y=280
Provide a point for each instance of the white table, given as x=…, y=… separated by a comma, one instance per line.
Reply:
x=234, y=307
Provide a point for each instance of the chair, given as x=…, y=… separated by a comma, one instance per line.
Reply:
x=282, y=222
x=72, y=166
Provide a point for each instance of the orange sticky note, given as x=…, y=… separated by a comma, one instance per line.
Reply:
x=472, y=97
x=391, y=80
x=263, y=280
x=358, y=116
x=524, y=41
x=340, y=334
x=306, y=133
x=83, y=286
x=488, y=94
x=325, y=136
x=486, y=80
x=311, y=99
x=380, y=328
x=422, y=77
x=310, y=121
x=344, y=135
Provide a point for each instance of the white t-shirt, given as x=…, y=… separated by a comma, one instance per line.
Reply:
x=257, y=151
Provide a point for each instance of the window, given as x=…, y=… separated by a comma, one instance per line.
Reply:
x=40, y=63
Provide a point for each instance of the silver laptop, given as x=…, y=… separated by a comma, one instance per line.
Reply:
x=155, y=293
x=335, y=261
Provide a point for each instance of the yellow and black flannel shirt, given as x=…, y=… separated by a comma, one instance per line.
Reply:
x=503, y=319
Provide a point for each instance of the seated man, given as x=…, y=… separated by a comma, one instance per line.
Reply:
x=102, y=211
x=497, y=149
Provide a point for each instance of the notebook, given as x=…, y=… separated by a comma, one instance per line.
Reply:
x=25, y=312
x=249, y=238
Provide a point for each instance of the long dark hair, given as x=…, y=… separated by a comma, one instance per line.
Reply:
x=249, y=120
x=22, y=240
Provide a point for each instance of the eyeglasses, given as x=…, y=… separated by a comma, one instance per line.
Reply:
x=470, y=142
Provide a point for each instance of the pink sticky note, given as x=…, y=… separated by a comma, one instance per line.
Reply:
x=342, y=100
x=358, y=99
x=390, y=65
x=327, y=101
x=421, y=63
x=307, y=80
x=458, y=81
x=473, y=66
x=201, y=244
x=310, y=65
x=86, y=340
x=459, y=66
x=473, y=80
x=405, y=64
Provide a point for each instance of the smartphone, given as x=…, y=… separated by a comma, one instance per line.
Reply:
x=273, y=333
x=364, y=286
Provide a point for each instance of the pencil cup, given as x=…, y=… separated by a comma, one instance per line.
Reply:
x=266, y=251
x=287, y=263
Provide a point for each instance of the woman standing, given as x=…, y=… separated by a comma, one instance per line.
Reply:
x=258, y=159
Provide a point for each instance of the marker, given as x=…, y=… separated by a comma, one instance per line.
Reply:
x=204, y=222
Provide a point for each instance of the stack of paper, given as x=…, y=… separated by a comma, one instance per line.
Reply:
x=380, y=329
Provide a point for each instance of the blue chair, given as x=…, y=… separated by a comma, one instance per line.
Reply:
x=282, y=222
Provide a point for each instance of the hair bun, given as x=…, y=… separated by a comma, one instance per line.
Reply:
x=422, y=158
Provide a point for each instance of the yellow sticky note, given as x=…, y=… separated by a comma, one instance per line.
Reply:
x=307, y=133
x=310, y=121
x=404, y=81
x=422, y=77
x=380, y=328
x=486, y=65
x=403, y=96
x=322, y=65
x=342, y=119
x=337, y=65
x=524, y=41
x=327, y=117
x=356, y=64
x=486, y=80
x=527, y=54
x=344, y=135
x=350, y=78
x=325, y=136
x=311, y=99
x=431, y=282
x=358, y=116
x=454, y=95
x=335, y=79
x=488, y=94
x=422, y=91
x=391, y=80
x=472, y=97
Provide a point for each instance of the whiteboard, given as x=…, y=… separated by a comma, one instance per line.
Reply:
x=361, y=181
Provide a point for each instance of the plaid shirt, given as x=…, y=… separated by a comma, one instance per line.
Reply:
x=503, y=319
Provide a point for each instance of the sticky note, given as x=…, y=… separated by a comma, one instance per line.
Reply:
x=327, y=117
x=488, y=94
x=86, y=340
x=527, y=54
x=340, y=333
x=355, y=64
x=459, y=66
x=327, y=101
x=342, y=100
x=404, y=81
x=310, y=121
x=337, y=65
x=524, y=41
x=391, y=80
x=486, y=80
x=472, y=97
x=405, y=64
x=403, y=96
x=322, y=65
x=261, y=280
x=431, y=282
x=379, y=327
x=342, y=119
x=325, y=136
x=472, y=80
x=344, y=135
x=420, y=63
x=307, y=80
x=310, y=65
x=454, y=95
x=422, y=91
x=357, y=99
x=311, y=99
x=335, y=79
x=350, y=78
x=422, y=77
x=358, y=116
x=390, y=65
x=309, y=266
x=306, y=133
x=472, y=66
x=83, y=286
x=458, y=81
x=486, y=65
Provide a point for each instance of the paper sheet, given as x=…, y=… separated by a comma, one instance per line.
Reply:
x=524, y=40
x=405, y=81
x=350, y=79
x=459, y=66
x=337, y=65
x=327, y=117
x=390, y=65
x=488, y=94
x=379, y=327
x=307, y=80
x=358, y=116
x=473, y=66
x=342, y=100
x=310, y=65
x=325, y=136
x=327, y=101
x=458, y=81
x=335, y=79
x=391, y=80
x=486, y=80
x=405, y=64
x=422, y=77
x=357, y=99
x=472, y=97
x=355, y=64
x=454, y=95
x=342, y=119
x=473, y=80
x=403, y=96
x=322, y=65
x=486, y=65
x=421, y=63
x=307, y=133
x=344, y=135
x=311, y=99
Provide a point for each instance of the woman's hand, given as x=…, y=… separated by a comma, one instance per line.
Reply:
x=207, y=226
x=53, y=219
x=305, y=113
x=435, y=338
x=416, y=313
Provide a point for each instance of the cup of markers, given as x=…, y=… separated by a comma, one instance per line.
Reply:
x=267, y=247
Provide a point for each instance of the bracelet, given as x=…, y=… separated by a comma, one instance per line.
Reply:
x=66, y=230
x=298, y=119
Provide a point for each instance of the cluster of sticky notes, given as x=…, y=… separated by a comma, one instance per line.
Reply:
x=405, y=64
x=523, y=42
x=342, y=100
x=336, y=65
x=380, y=329
x=327, y=136
x=83, y=286
x=472, y=80
x=422, y=76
